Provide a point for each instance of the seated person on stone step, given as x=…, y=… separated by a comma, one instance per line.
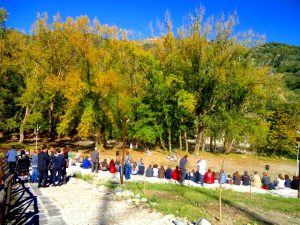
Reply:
x=86, y=163
x=161, y=172
x=155, y=170
x=237, y=178
x=104, y=165
x=149, y=171
x=141, y=167
x=209, y=177
x=246, y=179
x=134, y=170
x=176, y=174
x=112, y=166
x=168, y=173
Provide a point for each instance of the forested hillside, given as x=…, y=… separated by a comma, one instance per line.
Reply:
x=80, y=78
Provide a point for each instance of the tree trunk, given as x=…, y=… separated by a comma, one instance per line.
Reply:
x=228, y=144
x=200, y=137
x=162, y=143
x=186, y=142
x=170, y=139
x=180, y=141
x=211, y=147
x=22, y=126
x=50, y=126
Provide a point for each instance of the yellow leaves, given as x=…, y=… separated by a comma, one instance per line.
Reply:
x=74, y=88
x=106, y=81
x=86, y=125
x=186, y=100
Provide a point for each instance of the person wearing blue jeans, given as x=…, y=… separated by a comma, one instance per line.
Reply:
x=34, y=165
x=127, y=171
x=201, y=164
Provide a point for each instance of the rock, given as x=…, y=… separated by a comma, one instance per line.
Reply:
x=144, y=200
x=137, y=202
x=103, y=189
x=128, y=194
x=180, y=222
x=119, y=194
x=129, y=201
x=137, y=196
x=202, y=221
x=118, y=189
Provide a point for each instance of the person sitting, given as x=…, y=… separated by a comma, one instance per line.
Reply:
x=295, y=183
x=104, y=165
x=176, y=174
x=140, y=163
x=161, y=172
x=192, y=176
x=237, y=178
x=168, y=173
x=287, y=182
x=256, y=180
x=209, y=177
x=149, y=171
x=141, y=168
x=112, y=166
x=229, y=179
x=86, y=163
x=222, y=177
x=134, y=170
x=216, y=177
x=155, y=170
x=280, y=182
x=266, y=181
x=246, y=179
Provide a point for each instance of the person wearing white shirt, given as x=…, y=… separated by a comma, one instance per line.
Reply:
x=201, y=169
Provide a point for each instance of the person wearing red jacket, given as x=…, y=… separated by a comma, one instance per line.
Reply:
x=112, y=167
x=209, y=177
x=176, y=174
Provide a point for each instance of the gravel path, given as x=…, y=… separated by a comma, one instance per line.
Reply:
x=80, y=204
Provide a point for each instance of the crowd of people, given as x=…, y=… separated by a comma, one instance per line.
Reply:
x=200, y=174
x=50, y=165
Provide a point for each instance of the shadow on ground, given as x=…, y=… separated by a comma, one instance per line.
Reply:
x=24, y=206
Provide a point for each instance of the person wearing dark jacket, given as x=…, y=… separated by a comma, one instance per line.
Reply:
x=58, y=163
x=246, y=179
x=168, y=174
x=43, y=159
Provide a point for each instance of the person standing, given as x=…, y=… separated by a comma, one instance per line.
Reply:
x=201, y=169
x=182, y=166
x=34, y=165
x=127, y=165
x=43, y=159
x=12, y=158
x=95, y=160
x=58, y=163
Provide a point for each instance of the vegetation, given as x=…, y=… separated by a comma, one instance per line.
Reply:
x=80, y=78
x=194, y=203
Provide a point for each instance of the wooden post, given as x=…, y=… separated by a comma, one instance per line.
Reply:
x=123, y=149
x=220, y=193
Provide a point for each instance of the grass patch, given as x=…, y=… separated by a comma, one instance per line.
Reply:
x=195, y=202
x=86, y=177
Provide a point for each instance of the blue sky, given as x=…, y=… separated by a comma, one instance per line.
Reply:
x=279, y=20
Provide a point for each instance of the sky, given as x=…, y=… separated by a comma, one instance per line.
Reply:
x=279, y=20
